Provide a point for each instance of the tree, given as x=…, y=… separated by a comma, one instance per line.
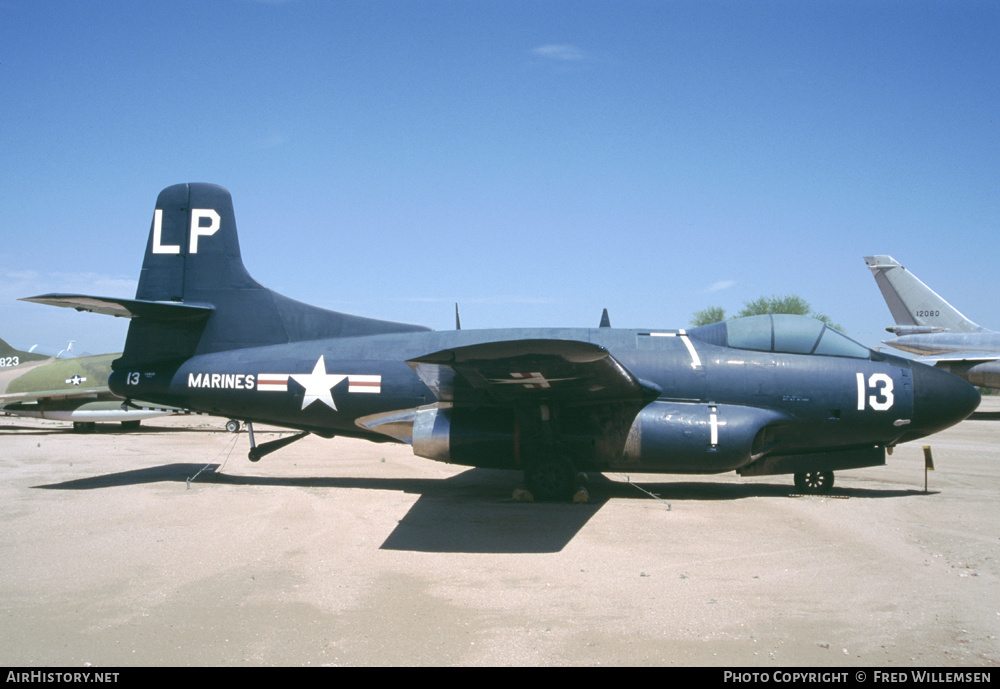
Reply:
x=713, y=314
x=791, y=303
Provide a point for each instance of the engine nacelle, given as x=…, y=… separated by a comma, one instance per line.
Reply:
x=696, y=437
x=668, y=437
x=484, y=437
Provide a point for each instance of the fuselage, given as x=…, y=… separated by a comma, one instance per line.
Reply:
x=808, y=403
x=761, y=395
x=974, y=357
x=931, y=344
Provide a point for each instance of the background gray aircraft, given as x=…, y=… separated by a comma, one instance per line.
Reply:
x=762, y=395
x=933, y=329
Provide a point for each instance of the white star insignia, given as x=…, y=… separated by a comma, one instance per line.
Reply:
x=318, y=384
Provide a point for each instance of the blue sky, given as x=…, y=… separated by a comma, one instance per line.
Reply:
x=533, y=161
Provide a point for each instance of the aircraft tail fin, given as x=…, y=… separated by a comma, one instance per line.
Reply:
x=9, y=354
x=196, y=297
x=6, y=349
x=915, y=306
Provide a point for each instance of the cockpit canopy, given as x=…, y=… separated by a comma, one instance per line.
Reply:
x=783, y=333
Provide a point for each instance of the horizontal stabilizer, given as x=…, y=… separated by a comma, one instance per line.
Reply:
x=125, y=308
x=960, y=356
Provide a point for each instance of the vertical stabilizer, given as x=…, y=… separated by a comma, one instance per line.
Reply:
x=12, y=356
x=193, y=259
x=196, y=297
x=912, y=303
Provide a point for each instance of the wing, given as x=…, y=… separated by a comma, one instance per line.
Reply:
x=958, y=357
x=568, y=372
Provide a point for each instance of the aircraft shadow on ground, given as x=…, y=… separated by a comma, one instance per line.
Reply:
x=108, y=429
x=473, y=512
x=984, y=416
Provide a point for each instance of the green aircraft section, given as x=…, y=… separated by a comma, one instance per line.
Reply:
x=73, y=389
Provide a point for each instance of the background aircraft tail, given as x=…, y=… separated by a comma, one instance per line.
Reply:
x=196, y=297
x=10, y=354
x=915, y=306
x=7, y=350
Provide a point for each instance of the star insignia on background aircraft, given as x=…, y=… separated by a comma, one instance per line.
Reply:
x=761, y=396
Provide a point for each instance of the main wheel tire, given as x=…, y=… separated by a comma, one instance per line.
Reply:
x=551, y=479
x=130, y=425
x=814, y=482
x=233, y=426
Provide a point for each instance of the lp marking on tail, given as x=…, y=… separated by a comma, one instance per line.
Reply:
x=197, y=230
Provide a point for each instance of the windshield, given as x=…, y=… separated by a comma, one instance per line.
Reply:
x=781, y=333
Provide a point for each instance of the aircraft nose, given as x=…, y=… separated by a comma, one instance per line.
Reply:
x=940, y=400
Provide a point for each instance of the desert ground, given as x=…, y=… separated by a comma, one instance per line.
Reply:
x=166, y=546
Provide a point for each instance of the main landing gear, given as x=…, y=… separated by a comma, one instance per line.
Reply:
x=551, y=479
x=549, y=473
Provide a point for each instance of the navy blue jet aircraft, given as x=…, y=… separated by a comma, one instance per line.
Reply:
x=761, y=395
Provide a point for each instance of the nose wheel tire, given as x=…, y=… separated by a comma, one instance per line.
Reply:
x=814, y=482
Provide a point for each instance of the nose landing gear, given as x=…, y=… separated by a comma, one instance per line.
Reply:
x=814, y=482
